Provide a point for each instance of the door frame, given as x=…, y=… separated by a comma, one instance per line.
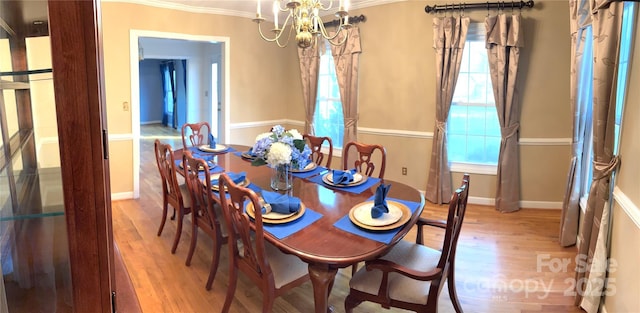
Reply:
x=135, y=34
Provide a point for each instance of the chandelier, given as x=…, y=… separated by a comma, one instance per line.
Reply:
x=304, y=18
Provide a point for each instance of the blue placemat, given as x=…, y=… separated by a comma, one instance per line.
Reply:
x=251, y=186
x=371, y=181
x=215, y=169
x=381, y=236
x=286, y=229
x=310, y=173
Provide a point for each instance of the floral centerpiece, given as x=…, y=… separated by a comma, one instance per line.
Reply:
x=284, y=150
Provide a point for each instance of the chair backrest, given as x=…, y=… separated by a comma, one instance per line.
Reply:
x=167, y=168
x=315, y=143
x=364, y=162
x=455, y=216
x=196, y=133
x=199, y=186
x=252, y=260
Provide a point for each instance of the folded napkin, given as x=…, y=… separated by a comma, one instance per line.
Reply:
x=281, y=203
x=212, y=141
x=236, y=177
x=250, y=152
x=380, y=201
x=343, y=177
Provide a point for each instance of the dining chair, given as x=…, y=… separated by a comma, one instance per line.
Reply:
x=196, y=133
x=206, y=211
x=411, y=276
x=173, y=193
x=364, y=162
x=315, y=143
x=271, y=270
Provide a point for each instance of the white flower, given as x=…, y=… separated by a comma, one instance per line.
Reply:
x=263, y=135
x=279, y=153
x=295, y=134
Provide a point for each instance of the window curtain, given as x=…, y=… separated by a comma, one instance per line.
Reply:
x=449, y=36
x=309, y=63
x=504, y=40
x=167, y=70
x=580, y=84
x=593, y=236
x=346, y=57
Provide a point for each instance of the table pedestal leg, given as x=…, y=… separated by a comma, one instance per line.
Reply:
x=322, y=277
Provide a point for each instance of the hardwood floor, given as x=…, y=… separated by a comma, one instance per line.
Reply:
x=505, y=263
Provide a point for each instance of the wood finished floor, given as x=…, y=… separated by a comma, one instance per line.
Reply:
x=502, y=263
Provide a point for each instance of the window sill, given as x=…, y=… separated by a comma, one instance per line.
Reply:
x=473, y=168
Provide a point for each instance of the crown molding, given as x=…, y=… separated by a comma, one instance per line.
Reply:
x=186, y=8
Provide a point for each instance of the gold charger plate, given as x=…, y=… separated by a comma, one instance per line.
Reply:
x=215, y=187
x=358, y=179
x=200, y=168
x=218, y=148
x=406, y=215
x=247, y=156
x=276, y=219
x=310, y=167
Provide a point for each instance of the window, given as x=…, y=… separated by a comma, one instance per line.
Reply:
x=473, y=130
x=328, y=118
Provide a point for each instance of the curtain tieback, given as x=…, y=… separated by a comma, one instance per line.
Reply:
x=441, y=126
x=509, y=131
x=350, y=122
x=602, y=170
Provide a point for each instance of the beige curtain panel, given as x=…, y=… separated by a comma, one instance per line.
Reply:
x=504, y=40
x=346, y=58
x=449, y=36
x=309, y=63
x=579, y=19
x=607, y=24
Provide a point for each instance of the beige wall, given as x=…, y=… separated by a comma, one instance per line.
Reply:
x=397, y=81
x=260, y=83
x=625, y=234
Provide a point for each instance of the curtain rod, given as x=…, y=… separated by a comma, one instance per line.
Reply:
x=352, y=20
x=479, y=5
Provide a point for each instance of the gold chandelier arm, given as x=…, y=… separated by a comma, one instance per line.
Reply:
x=341, y=27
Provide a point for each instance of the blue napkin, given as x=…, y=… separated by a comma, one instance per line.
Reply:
x=212, y=141
x=281, y=203
x=380, y=201
x=236, y=177
x=343, y=177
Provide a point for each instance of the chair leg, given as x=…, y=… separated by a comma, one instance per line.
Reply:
x=164, y=215
x=231, y=289
x=267, y=302
x=178, y=231
x=214, y=262
x=173, y=216
x=350, y=302
x=194, y=240
x=354, y=269
x=452, y=292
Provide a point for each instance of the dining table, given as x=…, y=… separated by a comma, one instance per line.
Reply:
x=326, y=237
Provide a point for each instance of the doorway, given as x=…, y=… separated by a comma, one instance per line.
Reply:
x=200, y=52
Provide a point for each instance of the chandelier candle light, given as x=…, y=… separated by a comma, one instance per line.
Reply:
x=304, y=17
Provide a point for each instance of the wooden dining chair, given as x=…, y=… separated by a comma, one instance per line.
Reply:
x=315, y=143
x=196, y=133
x=411, y=276
x=206, y=211
x=271, y=270
x=364, y=162
x=173, y=193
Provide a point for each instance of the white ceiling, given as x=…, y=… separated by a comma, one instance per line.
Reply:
x=241, y=8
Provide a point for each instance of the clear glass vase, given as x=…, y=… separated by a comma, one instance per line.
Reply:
x=281, y=178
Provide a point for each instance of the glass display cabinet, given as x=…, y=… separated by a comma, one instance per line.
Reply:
x=56, y=247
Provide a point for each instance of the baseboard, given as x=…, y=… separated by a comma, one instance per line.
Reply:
x=545, y=205
x=150, y=122
x=121, y=196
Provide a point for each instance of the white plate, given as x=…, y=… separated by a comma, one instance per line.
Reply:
x=358, y=179
x=218, y=148
x=311, y=166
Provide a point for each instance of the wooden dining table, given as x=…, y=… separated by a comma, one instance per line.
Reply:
x=321, y=245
